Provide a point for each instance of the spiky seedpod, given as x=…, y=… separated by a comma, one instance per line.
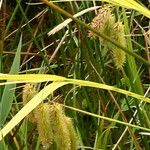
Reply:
x=118, y=35
x=102, y=22
x=61, y=132
x=105, y=23
x=73, y=135
x=44, y=126
x=27, y=94
x=53, y=125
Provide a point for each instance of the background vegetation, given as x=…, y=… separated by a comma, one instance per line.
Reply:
x=29, y=45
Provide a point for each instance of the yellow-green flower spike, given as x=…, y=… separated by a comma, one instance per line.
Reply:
x=118, y=55
x=44, y=124
x=61, y=132
x=73, y=135
x=27, y=94
x=102, y=21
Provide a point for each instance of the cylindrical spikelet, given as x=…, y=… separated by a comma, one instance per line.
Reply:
x=119, y=36
x=60, y=130
x=105, y=23
x=73, y=135
x=28, y=93
x=102, y=22
x=44, y=124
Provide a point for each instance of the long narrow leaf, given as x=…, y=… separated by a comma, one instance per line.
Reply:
x=132, y=4
x=43, y=78
x=106, y=118
x=33, y=103
x=7, y=97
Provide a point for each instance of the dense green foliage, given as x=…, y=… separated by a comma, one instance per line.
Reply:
x=72, y=52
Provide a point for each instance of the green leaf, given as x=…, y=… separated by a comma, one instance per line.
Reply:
x=8, y=93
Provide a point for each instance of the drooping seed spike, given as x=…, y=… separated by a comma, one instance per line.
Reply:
x=28, y=93
x=118, y=55
x=44, y=125
x=73, y=135
x=61, y=132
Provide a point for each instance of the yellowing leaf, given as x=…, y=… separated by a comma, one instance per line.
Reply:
x=34, y=102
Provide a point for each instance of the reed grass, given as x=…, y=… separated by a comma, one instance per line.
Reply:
x=81, y=89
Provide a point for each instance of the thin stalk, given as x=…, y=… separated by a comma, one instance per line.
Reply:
x=34, y=38
x=106, y=118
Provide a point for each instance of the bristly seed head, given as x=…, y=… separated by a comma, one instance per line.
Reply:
x=54, y=126
x=101, y=21
x=119, y=55
x=73, y=136
x=105, y=23
x=28, y=93
x=61, y=132
x=44, y=126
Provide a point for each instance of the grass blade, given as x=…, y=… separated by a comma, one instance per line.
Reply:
x=8, y=92
x=35, y=101
x=43, y=78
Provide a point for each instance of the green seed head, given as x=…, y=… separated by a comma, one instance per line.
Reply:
x=118, y=35
x=44, y=124
x=102, y=21
x=28, y=93
x=61, y=132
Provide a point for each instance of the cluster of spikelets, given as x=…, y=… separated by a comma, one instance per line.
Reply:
x=104, y=22
x=52, y=123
